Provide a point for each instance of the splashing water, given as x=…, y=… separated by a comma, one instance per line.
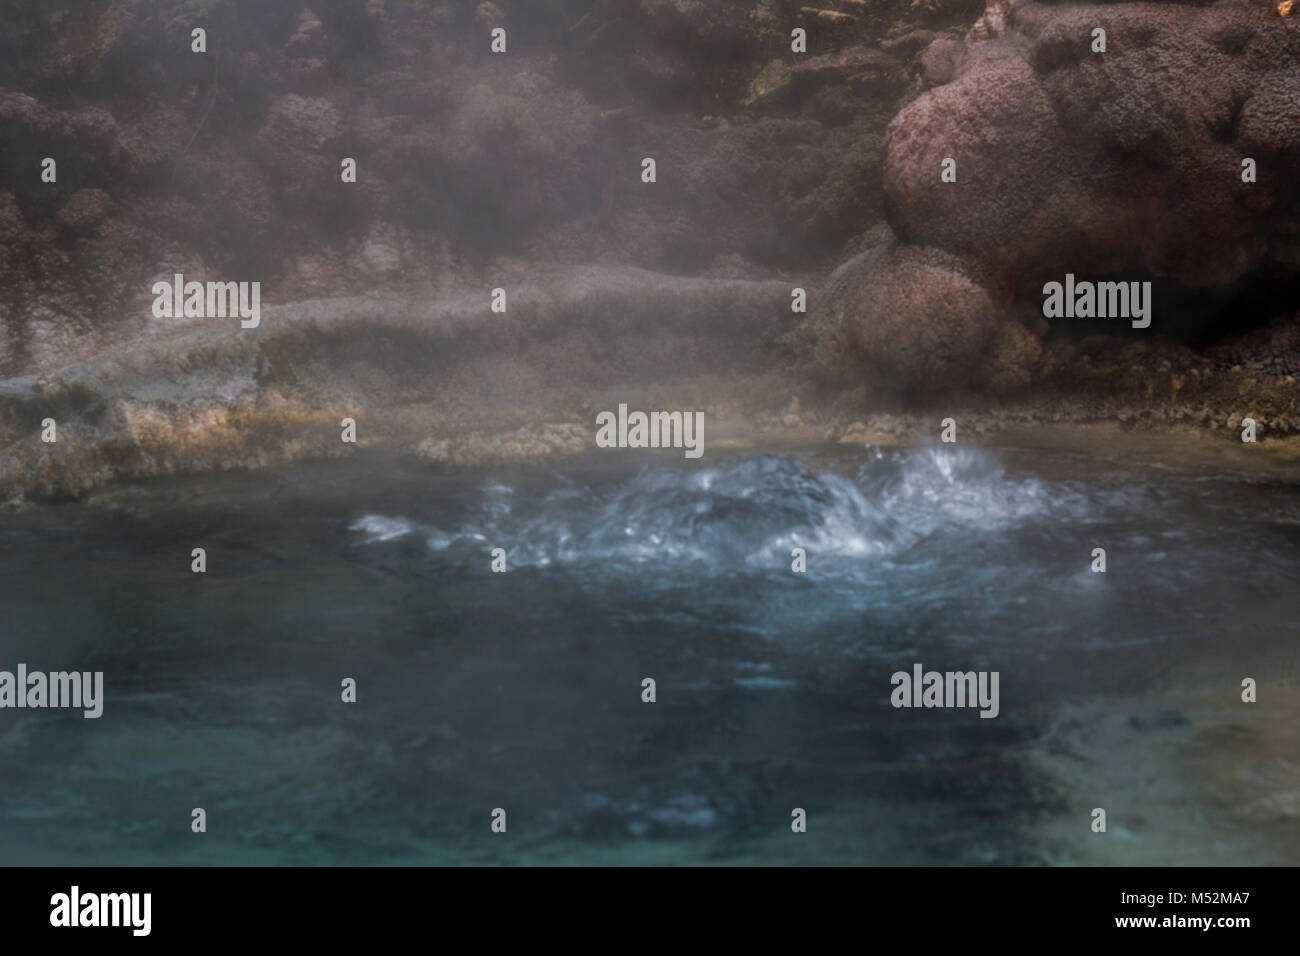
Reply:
x=749, y=512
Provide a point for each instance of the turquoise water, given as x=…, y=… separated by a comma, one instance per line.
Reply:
x=523, y=690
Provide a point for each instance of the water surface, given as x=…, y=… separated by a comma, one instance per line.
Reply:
x=522, y=690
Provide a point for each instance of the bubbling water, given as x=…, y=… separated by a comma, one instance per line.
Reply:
x=752, y=511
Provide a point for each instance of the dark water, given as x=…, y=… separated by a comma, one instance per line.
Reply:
x=522, y=690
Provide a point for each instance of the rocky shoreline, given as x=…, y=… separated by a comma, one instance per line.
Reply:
x=432, y=382
x=778, y=170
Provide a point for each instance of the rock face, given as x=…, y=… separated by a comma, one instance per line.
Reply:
x=226, y=165
x=477, y=170
x=474, y=170
x=1070, y=160
x=1092, y=162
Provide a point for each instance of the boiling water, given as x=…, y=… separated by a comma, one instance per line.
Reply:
x=523, y=690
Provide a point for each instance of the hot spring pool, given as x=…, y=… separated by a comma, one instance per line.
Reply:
x=523, y=690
